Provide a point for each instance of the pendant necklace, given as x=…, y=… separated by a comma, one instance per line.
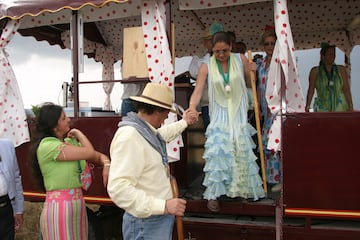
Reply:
x=330, y=76
x=226, y=77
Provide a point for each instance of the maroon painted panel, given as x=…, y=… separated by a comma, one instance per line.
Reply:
x=320, y=233
x=28, y=182
x=216, y=229
x=100, y=131
x=321, y=162
x=234, y=207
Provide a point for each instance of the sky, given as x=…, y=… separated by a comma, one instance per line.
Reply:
x=41, y=70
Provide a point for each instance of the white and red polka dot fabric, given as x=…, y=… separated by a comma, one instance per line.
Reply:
x=159, y=59
x=283, y=59
x=13, y=124
x=157, y=48
x=312, y=22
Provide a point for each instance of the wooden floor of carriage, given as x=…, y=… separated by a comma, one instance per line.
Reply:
x=246, y=219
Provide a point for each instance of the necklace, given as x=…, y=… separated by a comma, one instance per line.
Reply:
x=226, y=77
x=330, y=75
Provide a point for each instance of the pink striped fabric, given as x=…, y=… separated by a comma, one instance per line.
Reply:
x=64, y=216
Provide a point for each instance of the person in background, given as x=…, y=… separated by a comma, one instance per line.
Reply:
x=139, y=180
x=130, y=89
x=59, y=158
x=232, y=38
x=230, y=163
x=195, y=66
x=239, y=47
x=11, y=192
x=272, y=159
x=256, y=57
x=331, y=84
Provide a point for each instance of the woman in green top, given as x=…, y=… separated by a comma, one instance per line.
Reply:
x=59, y=156
x=331, y=84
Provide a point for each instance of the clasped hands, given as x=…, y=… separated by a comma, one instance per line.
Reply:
x=191, y=116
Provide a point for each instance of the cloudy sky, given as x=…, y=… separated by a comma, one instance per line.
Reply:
x=41, y=69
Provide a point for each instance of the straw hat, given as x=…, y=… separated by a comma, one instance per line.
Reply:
x=156, y=94
x=206, y=34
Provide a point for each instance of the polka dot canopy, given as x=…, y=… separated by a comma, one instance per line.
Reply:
x=312, y=22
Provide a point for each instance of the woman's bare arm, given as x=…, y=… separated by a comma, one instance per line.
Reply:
x=311, y=89
x=199, y=88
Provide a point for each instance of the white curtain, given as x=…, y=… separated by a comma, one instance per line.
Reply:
x=159, y=58
x=13, y=124
x=105, y=55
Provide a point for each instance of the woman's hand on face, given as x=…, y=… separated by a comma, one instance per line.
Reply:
x=75, y=133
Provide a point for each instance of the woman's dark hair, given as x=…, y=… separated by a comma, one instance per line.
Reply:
x=46, y=120
x=221, y=37
x=324, y=48
x=232, y=36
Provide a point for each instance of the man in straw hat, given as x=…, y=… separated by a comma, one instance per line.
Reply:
x=139, y=178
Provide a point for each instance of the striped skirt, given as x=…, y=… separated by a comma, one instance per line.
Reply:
x=64, y=216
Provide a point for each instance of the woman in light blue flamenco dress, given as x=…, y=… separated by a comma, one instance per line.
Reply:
x=230, y=163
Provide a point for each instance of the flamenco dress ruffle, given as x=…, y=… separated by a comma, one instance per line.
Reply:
x=230, y=163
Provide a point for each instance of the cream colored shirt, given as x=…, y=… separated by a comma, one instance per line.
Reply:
x=138, y=180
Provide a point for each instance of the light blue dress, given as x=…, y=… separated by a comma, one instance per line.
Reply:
x=230, y=163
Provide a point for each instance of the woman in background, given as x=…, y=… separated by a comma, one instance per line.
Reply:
x=59, y=156
x=272, y=159
x=331, y=84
